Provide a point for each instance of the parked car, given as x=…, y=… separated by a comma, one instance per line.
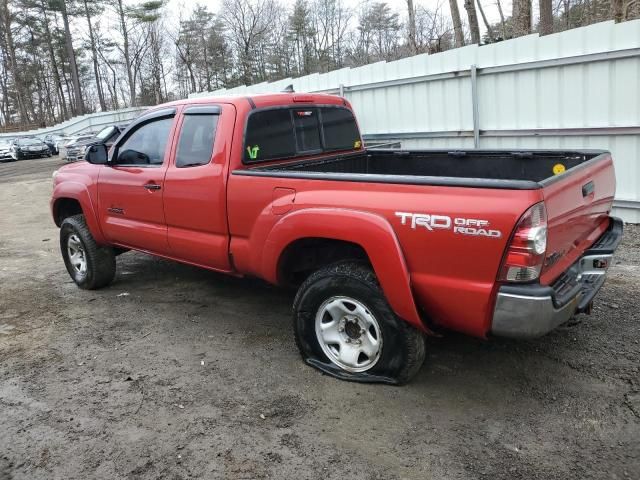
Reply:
x=49, y=143
x=385, y=246
x=29, y=147
x=5, y=150
x=54, y=141
x=69, y=144
x=106, y=136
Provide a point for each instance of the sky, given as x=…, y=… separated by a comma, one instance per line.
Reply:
x=183, y=7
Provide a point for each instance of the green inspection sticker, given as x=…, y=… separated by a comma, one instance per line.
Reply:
x=253, y=152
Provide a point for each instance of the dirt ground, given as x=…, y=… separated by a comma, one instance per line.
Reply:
x=174, y=372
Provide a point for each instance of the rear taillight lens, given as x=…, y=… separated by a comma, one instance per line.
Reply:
x=525, y=254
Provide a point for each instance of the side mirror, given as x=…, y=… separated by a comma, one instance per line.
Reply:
x=97, y=154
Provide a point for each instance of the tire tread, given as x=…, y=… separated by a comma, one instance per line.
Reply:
x=101, y=259
x=361, y=271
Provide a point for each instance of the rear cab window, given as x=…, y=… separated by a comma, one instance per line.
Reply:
x=287, y=132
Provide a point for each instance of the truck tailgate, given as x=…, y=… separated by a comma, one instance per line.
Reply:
x=578, y=203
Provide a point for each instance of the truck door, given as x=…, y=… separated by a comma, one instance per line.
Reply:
x=195, y=187
x=130, y=188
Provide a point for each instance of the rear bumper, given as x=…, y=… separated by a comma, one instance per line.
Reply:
x=529, y=311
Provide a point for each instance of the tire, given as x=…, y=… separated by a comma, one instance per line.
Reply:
x=96, y=265
x=351, y=289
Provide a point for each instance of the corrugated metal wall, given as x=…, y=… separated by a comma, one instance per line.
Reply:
x=575, y=89
x=83, y=123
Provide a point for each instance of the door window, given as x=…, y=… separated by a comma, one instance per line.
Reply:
x=146, y=145
x=196, y=140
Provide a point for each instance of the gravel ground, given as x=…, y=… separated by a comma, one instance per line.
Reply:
x=175, y=372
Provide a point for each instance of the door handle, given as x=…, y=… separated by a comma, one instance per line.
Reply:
x=152, y=186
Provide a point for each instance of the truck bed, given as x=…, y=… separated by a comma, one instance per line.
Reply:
x=577, y=186
x=481, y=168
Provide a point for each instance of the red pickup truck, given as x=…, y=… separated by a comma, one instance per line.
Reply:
x=384, y=246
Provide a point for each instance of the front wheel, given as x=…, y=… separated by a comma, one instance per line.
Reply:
x=89, y=265
x=345, y=327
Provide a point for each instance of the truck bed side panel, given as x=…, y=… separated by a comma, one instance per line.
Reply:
x=452, y=274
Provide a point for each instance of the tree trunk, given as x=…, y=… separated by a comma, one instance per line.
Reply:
x=470, y=7
x=486, y=23
x=54, y=62
x=627, y=8
x=413, y=45
x=13, y=64
x=157, y=75
x=75, y=77
x=521, y=17
x=617, y=10
x=457, y=23
x=127, y=57
x=5, y=89
x=94, y=55
x=206, y=63
x=546, y=17
x=503, y=26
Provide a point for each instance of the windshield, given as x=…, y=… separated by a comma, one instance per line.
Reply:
x=28, y=141
x=104, y=133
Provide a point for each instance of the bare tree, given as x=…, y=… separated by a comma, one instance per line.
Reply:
x=503, y=27
x=89, y=12
x=331, y=22
x=486, y=23
x=249, y=22
x=457, y=23
x=12, y=63
x=71, y=56
x=521, y=17
x=433, y=29
x=413, y=46
x=129, y=54
x=122, y=15
x=546, y=17
x=470, y=7
x=48, y=39
x=617, y=10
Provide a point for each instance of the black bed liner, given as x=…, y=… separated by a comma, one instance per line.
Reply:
x=506, y=169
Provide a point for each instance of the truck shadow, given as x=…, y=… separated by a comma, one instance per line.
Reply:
x=258, y=310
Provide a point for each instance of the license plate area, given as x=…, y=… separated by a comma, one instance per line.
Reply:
x=594, y=264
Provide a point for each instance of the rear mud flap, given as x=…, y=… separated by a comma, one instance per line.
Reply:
x=363, y=377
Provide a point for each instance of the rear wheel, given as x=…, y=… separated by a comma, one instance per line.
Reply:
x=345, y=327
x=89, y=265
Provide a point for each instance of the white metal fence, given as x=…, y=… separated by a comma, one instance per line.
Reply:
x=83, y=123
x=575, y=89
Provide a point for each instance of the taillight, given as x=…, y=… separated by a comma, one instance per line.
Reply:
x=525, y=254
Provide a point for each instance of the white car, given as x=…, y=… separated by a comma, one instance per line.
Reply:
x=72, y=140
x=5, y=150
